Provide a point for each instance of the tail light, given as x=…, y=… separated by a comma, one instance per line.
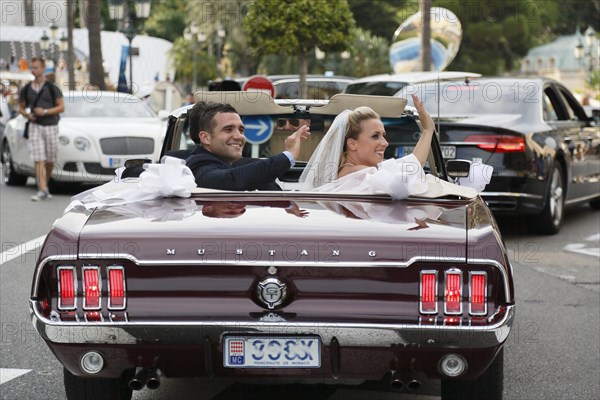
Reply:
x=453, y=294
x=428, y=293
x=478, y=293
x=116, y=288
x=91, y=286
x=67, y=288
x=498, y=143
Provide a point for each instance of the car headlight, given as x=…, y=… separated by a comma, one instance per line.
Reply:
x=82, y=143
x=63, y=140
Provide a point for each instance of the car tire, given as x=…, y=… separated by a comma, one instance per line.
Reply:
x=9, y=175
x=551, y=218
x=488, y=386
x=78, y=388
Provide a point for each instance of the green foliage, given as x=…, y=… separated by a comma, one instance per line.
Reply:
x=593, y=80
x=167, y=19
x=571, y=12
x=495, y=34
x=377, y=16
x=182, y=56
x=369, y=55
x=297, y=27
x=210, y=16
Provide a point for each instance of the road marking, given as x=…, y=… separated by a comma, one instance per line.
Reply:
x=593, y=238
x=7, y=374
x=18, y=250
x=581, y=249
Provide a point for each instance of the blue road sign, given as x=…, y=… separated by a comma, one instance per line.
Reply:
x=258, y=128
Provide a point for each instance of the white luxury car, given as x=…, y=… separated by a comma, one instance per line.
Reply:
x=98, y=132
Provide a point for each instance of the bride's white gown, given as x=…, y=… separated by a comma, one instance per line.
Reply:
x=403, y=177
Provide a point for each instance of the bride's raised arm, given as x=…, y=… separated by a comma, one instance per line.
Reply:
x=423, y=146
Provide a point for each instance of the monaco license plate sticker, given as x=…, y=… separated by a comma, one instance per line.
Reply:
x=116, y=162
x=447, y=151
x=272, y=352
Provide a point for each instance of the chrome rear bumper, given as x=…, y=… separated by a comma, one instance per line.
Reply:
x=347, y=334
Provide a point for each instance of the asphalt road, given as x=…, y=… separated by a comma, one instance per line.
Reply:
x=553, y=351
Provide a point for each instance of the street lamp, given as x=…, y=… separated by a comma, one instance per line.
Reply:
x=586, y=49
x=125, y=13
x=193, y=34
x=220, y=36
x=58, y=45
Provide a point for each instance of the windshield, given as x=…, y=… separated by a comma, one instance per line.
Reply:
x=106, y=106
x=402, y=135
x=376, y=88
x=474, y=98
x=321, y=89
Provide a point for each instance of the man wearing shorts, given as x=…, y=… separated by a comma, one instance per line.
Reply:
x=41, y=102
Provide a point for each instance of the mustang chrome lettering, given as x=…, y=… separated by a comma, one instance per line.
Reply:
x=304, y=253
x=239, y=252
x=272, y=292
x=170, y=252
x=335, y=253
x=201, y=252
x=372, y=253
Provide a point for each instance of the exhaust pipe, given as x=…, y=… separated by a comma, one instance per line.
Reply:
x=413, y=385
x=396, y=384
x=153, y=381
x=139, y=379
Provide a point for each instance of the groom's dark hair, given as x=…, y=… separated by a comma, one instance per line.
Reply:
x=202, y=117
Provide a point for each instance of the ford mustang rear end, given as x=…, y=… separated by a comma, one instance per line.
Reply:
x=297, y=286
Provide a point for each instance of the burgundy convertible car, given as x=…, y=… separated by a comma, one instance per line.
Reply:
x=347, y=289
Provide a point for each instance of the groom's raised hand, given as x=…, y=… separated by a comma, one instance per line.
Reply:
x=293, y=142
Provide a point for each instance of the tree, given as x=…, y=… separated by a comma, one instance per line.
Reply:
x=93, y=20
x=167, y=20
x=210, y=16
x=495, y=34
x=376, y=16
x=296, y=28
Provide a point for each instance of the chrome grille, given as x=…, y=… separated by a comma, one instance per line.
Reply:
x=127, y=145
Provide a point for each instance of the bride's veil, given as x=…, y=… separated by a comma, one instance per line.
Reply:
x=324, y=164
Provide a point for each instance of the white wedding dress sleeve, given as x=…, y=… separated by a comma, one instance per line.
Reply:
x=400, y=178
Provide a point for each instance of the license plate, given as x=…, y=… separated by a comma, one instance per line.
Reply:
x=116, y=162
x=447, y=151
x=272, y=352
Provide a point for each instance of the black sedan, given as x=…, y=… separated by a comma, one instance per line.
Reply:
x=544, y=149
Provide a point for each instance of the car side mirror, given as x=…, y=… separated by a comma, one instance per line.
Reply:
x=163, y=115
x=458, y=168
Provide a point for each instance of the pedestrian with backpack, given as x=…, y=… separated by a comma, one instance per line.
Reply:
x=41, y=102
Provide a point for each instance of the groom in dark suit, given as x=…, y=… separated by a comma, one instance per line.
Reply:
x=218, y=131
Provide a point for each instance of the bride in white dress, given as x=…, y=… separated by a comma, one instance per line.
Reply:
x=349, y=159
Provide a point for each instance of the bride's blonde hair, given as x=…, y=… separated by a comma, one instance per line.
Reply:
x=353, y=127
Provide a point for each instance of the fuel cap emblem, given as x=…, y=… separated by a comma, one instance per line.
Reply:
x=271, y=291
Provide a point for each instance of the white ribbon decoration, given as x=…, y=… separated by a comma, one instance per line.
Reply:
x=170, y=178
